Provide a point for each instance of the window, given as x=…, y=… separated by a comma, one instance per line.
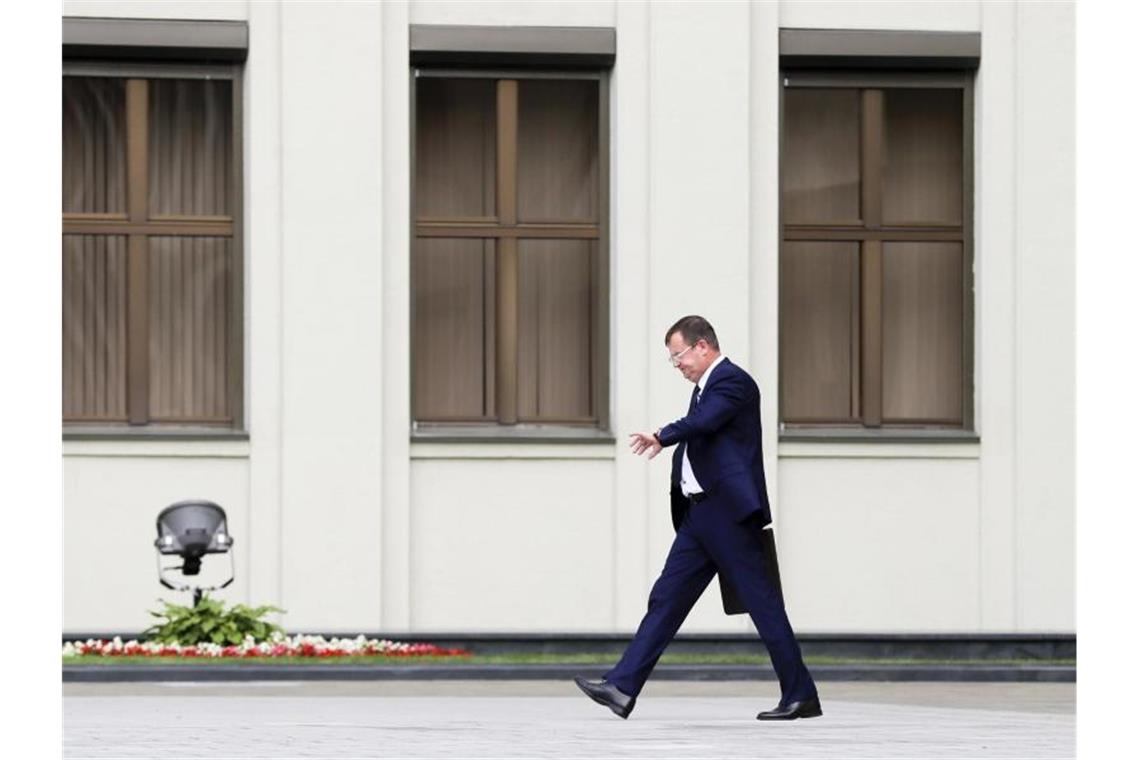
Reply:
x=151, y=246
x=876, y=287
x=509, y=251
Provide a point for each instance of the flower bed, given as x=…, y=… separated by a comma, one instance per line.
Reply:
x=277, y=646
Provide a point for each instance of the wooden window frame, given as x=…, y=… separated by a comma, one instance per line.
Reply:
x=137, y=225
x=871, y=233
x=506, y=231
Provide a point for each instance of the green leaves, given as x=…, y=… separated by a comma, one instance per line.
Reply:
x=209, y=621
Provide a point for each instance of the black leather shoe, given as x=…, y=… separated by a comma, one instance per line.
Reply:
x=605, y=693
x=808, y=708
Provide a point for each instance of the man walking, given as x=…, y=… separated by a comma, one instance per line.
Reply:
x=720, y=507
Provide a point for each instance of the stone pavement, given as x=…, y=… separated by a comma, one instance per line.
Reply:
x=450, y=719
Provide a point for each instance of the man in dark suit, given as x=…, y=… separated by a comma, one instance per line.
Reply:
x=720, y=509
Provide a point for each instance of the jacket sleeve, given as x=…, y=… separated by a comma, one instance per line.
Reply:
x=720, y=402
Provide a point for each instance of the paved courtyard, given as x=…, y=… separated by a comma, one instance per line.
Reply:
x=455, y=719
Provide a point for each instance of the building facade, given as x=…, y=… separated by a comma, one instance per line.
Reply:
x=389, y=282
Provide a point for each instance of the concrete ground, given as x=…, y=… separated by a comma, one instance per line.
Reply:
x=454, y=719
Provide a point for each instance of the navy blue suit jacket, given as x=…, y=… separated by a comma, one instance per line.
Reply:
x=722, y=436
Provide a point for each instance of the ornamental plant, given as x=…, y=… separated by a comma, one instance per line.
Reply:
x=209, y=622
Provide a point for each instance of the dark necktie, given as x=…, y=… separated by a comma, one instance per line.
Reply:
x=693, y=401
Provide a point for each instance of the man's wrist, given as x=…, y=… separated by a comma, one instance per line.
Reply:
x=656, y=436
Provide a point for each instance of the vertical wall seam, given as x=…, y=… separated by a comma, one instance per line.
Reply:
x=612, y=366
x=646, y=285
x=396, y=530
x=749, y=138
x=1017, y=326
x=281, y=261
x=751, y=243
x=979, y=391
x=385, y=390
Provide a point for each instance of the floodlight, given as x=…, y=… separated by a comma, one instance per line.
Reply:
x=191, y=530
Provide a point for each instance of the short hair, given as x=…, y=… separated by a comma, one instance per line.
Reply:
x=692, y=329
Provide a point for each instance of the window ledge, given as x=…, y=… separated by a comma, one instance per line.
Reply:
x=517, y=442
x=511, y=434
x=151, y=433
x=915, y=443
x=879, y=435
x=155, y=442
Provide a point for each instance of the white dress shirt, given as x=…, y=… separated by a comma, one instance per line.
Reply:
x=689, y=484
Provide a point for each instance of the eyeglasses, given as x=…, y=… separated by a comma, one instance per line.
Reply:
x=675, y=359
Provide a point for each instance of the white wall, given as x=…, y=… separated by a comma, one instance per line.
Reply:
x=264, y=198
x=221, y=10
x=1045, y=316
x=948, y=16
x=510, y=13
x=995, y=330
x=112, y=495
x=632, y=344
x=879, y=544
x=333, y=353
x=512, y=545
x=395, y=466
x=342, y=521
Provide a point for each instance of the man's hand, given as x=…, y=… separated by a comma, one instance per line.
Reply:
x=639, y=443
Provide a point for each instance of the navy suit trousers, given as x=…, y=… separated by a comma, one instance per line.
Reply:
x=709, y=541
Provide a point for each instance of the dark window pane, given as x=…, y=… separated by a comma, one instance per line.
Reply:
x=555, y=328
x=190, y=147
x=558, y=150
x=453, y=348
x=94, y=145
x=819, y=302
x=821, y=156
x=455, y=147
x=189, y=328
x=94, y=327
x=922, y=332
x=922, y=179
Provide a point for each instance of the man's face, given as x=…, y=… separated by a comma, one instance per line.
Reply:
x=692, y=361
